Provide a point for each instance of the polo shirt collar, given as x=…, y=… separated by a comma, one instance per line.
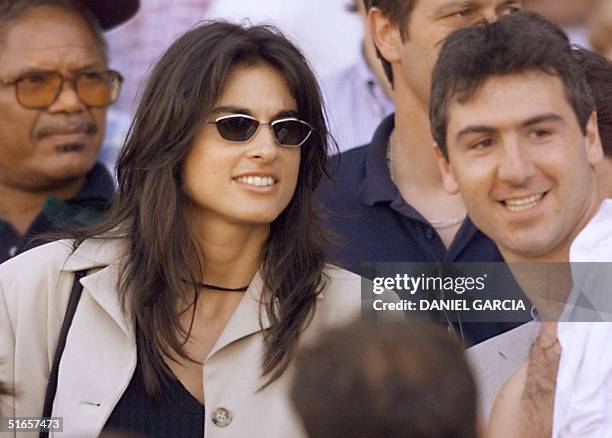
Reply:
x=377, y=185
x=99, y=185
x=98, y=189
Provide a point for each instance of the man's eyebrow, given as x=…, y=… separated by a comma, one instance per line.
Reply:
x=475, y=129
x=29, y=70
x=447, y=7
x=96, y=66
x=26, y=71
x=484, y=129
x=510, y=2
x=548, y=117
x=469, y=4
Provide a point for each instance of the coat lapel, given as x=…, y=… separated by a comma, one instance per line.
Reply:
x=102, y=258
x=246, y=319
x=100, y=355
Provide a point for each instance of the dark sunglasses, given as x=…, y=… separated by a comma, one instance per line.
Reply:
x=38, y=90
x=289, y=131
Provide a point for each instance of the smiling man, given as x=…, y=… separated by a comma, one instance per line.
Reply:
x=55, y=86
x=386, y=200
x=517, y=133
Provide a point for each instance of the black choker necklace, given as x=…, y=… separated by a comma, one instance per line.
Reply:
x=223, y=289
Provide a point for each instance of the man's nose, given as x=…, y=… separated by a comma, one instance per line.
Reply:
x=490, y=15
x=515, y=166
x=68, y=100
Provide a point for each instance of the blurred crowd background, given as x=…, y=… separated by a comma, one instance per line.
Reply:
x=330, y=32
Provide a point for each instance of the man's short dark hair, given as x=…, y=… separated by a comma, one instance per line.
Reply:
x=398, y=13
x=598, y=72
x=14, y=9
x=518, y=43
x=385, y=380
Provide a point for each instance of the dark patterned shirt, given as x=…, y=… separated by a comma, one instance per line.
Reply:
x=56, y=215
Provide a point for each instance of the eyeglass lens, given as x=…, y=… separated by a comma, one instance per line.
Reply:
x=41, y=89
x=290, y=132
x=237, y=128
x=286, y=132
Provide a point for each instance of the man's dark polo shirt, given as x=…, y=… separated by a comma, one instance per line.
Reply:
x=365, y=209
x=86, y=207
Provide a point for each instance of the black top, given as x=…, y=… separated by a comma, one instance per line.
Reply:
x=86, y=207
x=176, y=414
x=362, y=205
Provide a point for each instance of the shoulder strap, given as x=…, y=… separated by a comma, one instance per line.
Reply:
x=73, y=302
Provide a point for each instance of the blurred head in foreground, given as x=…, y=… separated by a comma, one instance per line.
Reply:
x=385, y=380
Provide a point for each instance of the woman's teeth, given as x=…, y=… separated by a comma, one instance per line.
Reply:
x=259, y=181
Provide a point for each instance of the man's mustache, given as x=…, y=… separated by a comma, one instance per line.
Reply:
x=73, y=126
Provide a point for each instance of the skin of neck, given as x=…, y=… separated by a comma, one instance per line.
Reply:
x=413, y=140
x=19, y=206
x=547, y=285
x=231, y=251
x=604, y=174
x=369, y=52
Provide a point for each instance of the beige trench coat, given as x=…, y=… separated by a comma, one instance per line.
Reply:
x=100, y=355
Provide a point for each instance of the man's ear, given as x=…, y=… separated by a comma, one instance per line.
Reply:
x=448, y=177
x=385, y=34
x=594, y=149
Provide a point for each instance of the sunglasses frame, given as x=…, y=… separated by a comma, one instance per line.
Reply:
x=72, y=81
x=259, y=124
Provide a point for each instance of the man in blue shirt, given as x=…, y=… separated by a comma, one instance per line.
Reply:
x=386, y=200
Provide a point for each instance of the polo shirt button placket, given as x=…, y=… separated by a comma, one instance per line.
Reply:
x=429, y=233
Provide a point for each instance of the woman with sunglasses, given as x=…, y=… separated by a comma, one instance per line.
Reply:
x=208, y=272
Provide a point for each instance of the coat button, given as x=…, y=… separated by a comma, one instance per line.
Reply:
x=221, y=417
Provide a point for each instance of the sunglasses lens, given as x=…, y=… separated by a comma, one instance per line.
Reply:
x=38, y=90
x=291, y=132
x=237, y=128
x=98, y=88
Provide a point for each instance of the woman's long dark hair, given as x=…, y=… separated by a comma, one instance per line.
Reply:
x=149, y=209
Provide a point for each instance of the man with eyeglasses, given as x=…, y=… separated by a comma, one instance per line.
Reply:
x=55, y=87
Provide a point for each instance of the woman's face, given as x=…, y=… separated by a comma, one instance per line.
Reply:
x=251, y=182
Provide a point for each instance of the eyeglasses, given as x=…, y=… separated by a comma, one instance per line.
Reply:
x=38, y=90
x=289, y=132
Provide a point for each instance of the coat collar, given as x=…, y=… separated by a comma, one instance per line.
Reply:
x=96, y=253
x=105, y=256
x=101, y=258
x=246, y=318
